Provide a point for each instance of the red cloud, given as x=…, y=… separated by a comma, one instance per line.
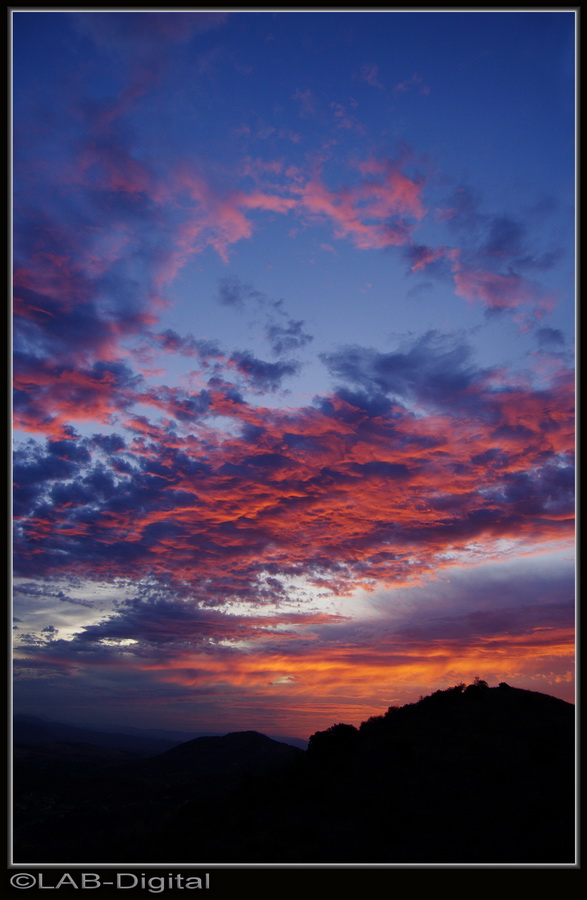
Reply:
x=343, y=498
x=362, y=213
x=500, y=292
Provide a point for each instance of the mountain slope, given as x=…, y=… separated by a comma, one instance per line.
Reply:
x=466, y=775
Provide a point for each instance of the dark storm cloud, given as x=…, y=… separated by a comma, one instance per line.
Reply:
x=186, y=406
x=33, y=469
x=65, y=473
x=551, y=489
x=109, y=443
x=432, y=368
x=287, y=338
x=156, y=623
x=45, y=592
x=263, y=376
x=374, y=403
x=494, y=237
x=189, y=345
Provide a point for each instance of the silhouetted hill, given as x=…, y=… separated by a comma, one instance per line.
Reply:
x=469, y=774
x=209, y=767
x=473, y=774
x=144, y=741
x=238, y=751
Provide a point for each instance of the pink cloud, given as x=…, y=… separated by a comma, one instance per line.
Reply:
x=371, y=166
x=363, y=213
x=501, y=292
x=259, y=200
x=397, y=194
x=495, y=291
x=429, y=255
x=372, y=214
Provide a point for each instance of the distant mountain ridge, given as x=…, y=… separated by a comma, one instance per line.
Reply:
x=246, y=747
x=31, y=729
x=146, y=742
x=470, y=774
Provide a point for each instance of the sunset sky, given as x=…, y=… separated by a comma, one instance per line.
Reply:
x=294, y=307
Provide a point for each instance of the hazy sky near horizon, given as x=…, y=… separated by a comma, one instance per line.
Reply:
x=294, y=304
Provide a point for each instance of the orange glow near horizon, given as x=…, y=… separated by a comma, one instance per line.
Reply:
x=330, y=680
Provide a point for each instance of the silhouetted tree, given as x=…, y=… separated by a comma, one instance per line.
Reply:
x=336, y=740
x=478, y=689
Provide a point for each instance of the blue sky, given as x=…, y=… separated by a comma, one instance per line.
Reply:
x=294, y=304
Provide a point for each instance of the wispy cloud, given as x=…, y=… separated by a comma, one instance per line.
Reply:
x=370, y=75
